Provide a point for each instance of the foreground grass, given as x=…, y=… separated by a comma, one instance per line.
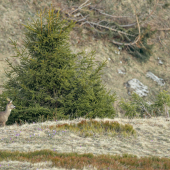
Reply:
x=79, y=161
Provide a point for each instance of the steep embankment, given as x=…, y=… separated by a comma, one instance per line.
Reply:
x=15, y=13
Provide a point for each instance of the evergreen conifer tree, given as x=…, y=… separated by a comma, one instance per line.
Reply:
x=51, y=79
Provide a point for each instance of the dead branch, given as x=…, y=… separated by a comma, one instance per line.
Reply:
x=160, y=40
x=79, y=18
x=81, y=6
x=101, y=12
x=138, y=38
x=133, y=24
x=146, y=110
x=128, y=25
x=163, y=29
x=102, y=26
x=112, y=16
x=152, y=11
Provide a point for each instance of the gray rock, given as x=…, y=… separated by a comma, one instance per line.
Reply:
x=121, y=70
x=160, y=62
x=160, y=81
x=136, y=86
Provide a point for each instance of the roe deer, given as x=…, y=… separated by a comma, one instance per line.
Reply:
x=5, y=114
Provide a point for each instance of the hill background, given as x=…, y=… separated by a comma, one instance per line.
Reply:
x=15, y=13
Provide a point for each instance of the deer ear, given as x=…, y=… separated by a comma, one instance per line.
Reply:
x=11, y=101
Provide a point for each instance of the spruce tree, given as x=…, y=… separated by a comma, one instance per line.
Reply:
x=51, y=79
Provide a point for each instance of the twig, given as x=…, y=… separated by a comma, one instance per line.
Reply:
x=163, y=29
x=127, y=44
x=152, y=11
x=110, y=15
x=146, y=110
x=128, y=25
x=160, y=40
x=102, y=26
x=95, y=28
x=81, y=6
x=133, y=24
x=135, y=40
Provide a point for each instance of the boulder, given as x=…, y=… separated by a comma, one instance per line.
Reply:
x=136, y=86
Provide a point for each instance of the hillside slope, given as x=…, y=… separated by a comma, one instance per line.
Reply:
x=15, y=13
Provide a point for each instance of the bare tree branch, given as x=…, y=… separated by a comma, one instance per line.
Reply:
x=81, y=6
x=112, y=16
x=163, y=29
x=102, y=26
x=138, y=38
x=96, y=25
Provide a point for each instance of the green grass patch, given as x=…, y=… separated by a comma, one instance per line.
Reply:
x=90, y=128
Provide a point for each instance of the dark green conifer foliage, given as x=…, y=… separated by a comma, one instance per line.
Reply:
x=51, y=77
x=142, y=50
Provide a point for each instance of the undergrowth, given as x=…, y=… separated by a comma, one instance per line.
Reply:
x=92, y=127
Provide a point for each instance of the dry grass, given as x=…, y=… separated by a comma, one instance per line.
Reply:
x=15, y=13
x=88, y=161
x=48, y=159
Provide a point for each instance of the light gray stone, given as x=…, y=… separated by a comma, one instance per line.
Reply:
x=160, y=81
x=136, y=86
